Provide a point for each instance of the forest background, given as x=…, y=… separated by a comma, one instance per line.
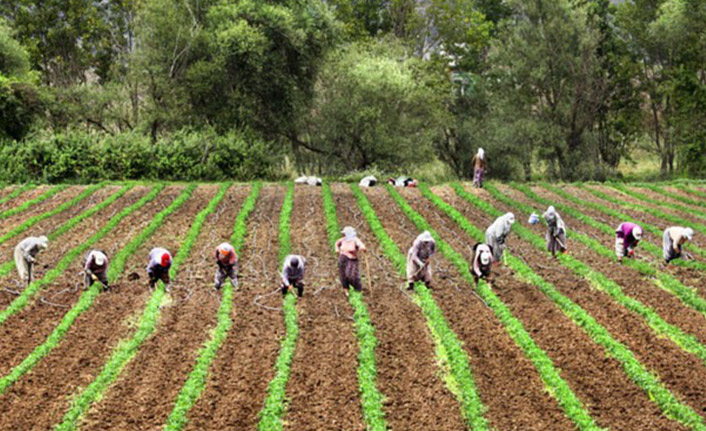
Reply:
x=244, y=89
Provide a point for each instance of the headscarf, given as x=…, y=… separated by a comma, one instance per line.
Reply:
x=637, y=233
x=481, y=153
x=508, y=220
x=689, y=233
x=349, y=233
x=44, y=241
x=294, y=262
x=425, y=237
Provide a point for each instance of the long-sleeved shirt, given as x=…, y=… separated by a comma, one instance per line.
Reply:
x=225, y=254
x=678, y=236
x=156, y=258
x=91, y=264
x=31, y=246
x=624, y=231
x=421, y=251
x=350, y=247
x=478, y=163
x=291, y=273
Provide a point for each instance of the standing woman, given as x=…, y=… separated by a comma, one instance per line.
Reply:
x=496, y=234
x=479, y=166
x=556, y=231
x=347, y=249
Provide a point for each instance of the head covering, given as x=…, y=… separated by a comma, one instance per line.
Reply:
x=509, y=219
x=689, y=233
x=481, y=153
x=43, y=241
x=100, y=259
x=294, y=262
x=166, y=259
x=550, y=213
x=349, y=232
x=485, y=257
x=637, y=233
x=425, y=237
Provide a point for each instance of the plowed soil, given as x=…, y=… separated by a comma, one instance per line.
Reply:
x=695, y=212
x=680, y=371
x=323, y=385
x=239, y=375
x=23, y=331
x=508, y=384
x=23, y=197
x=145, y=394
x=46, y=392
x=408, y=376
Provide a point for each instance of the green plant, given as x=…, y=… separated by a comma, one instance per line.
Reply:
x=662, y=203
x=17, y=191
x=657, y=189
x=22, y=207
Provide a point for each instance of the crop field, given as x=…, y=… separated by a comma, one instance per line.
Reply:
x=576, y=342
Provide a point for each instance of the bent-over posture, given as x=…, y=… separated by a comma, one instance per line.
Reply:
x=482, y=259
x=227, y=262
x=293, y=274
x=26, y=255
x=158, y=267
x=556, y=231
x=627, y=236
x=419, y=258
x=347, y=249
x=496, y=234
x=672, y=241
x=95, y=268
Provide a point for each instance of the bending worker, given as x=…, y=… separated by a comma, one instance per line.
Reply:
x=348, y=248
x=496, y=234
x=556, y=231
x=158, y=267
x=227, y=262
x=293, y=274
x=95, y=268
x=26, y=255
x=627, y=236
x=482, y=259
x=419, y=258
x=672, y=241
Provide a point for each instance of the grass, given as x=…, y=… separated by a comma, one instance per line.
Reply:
x=127, y=349
x=635, y=370
x=662, y=203
x=657, y=189
x=371, y=397
x=453, y=358
x=196, y=381
x=87, y=297
x=25, y=205
x=273, y=411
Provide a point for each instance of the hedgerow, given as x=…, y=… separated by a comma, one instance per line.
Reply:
x=273, y=411
x=454, y=358
x=88, y=296
x=686, y=341
x=196, y=381
x=638, y=373
x=23, y=299
x=572, y=406
x=18, y=191
x=41, y=198
x=662, y=203
x=371, y=397
x=128, y=348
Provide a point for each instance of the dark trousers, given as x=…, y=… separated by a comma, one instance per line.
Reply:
x=295, y=283
x=158, y=273
x=349, y=273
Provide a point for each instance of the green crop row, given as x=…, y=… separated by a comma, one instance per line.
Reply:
x=686, y=341
x=22, y=207
x=127, y=349
x=196, y=381
x=690, y=190
x=636, y=371
x=662, y=203
x=86, y=298
x=18, y=191
x=450, y=353
x=663, y=192
x=371, y=397
x=23, y=299
x=663, y=279
x=274, y=408
x=557, y=386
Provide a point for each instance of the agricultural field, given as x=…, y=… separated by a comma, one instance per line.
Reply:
x=576, y=342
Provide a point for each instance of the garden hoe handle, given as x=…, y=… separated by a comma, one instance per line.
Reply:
x=367, y=272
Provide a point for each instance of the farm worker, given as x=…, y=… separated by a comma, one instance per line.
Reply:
x=403, y=182
x=496, y=234
x=95, y=268
x=368, y=181
x=627, y=236
x=418, y=259
x=26, y=255
x=227, y=262
x=556, y=231
x=293, y=274
x=158, y=267
x=673, y=239
x=347, y=249
x=482, y=259
x=479, y=165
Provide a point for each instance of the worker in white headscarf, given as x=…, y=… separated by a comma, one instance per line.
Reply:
x=556, y=231
x=26, y=255
x=419, y=259
x=293, y=274
x=95, y=268
x=348, y=249
x=482, y=259
x=496, y=234
x=672, y=241
x=479, y=165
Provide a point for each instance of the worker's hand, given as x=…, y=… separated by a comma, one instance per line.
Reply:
x=94, y=277
x=631, y=253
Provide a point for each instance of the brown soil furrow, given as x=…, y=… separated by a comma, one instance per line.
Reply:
x=508, y=384
x=239, y=375
x=678, y=192
x=6, y=225
x=46, y=392
x=323, y=385
x=145, y=394
x=408, y=375
x=28, y=328
x=23, y=197
x=691, y=209
x=598, y=380
x=681, y=371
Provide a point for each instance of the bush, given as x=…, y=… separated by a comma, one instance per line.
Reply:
x=185, y=156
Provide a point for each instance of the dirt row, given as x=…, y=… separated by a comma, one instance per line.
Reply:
x=244, y=366
x=29, y=327
x=23, y=197
x=42, y=397
x=508, y=384
x=680, y=371
x=145, y=393
x=690, y=210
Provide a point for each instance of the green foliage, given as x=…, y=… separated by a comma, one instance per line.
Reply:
x=660, y=202
x=274, y=408
x=573, y=408
x=371, y=397
x=449, y=348
x=663, y=192
x=636, y=371
x=196, y=381
x=17, y=191
x=127, y=349
x=32, y=202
